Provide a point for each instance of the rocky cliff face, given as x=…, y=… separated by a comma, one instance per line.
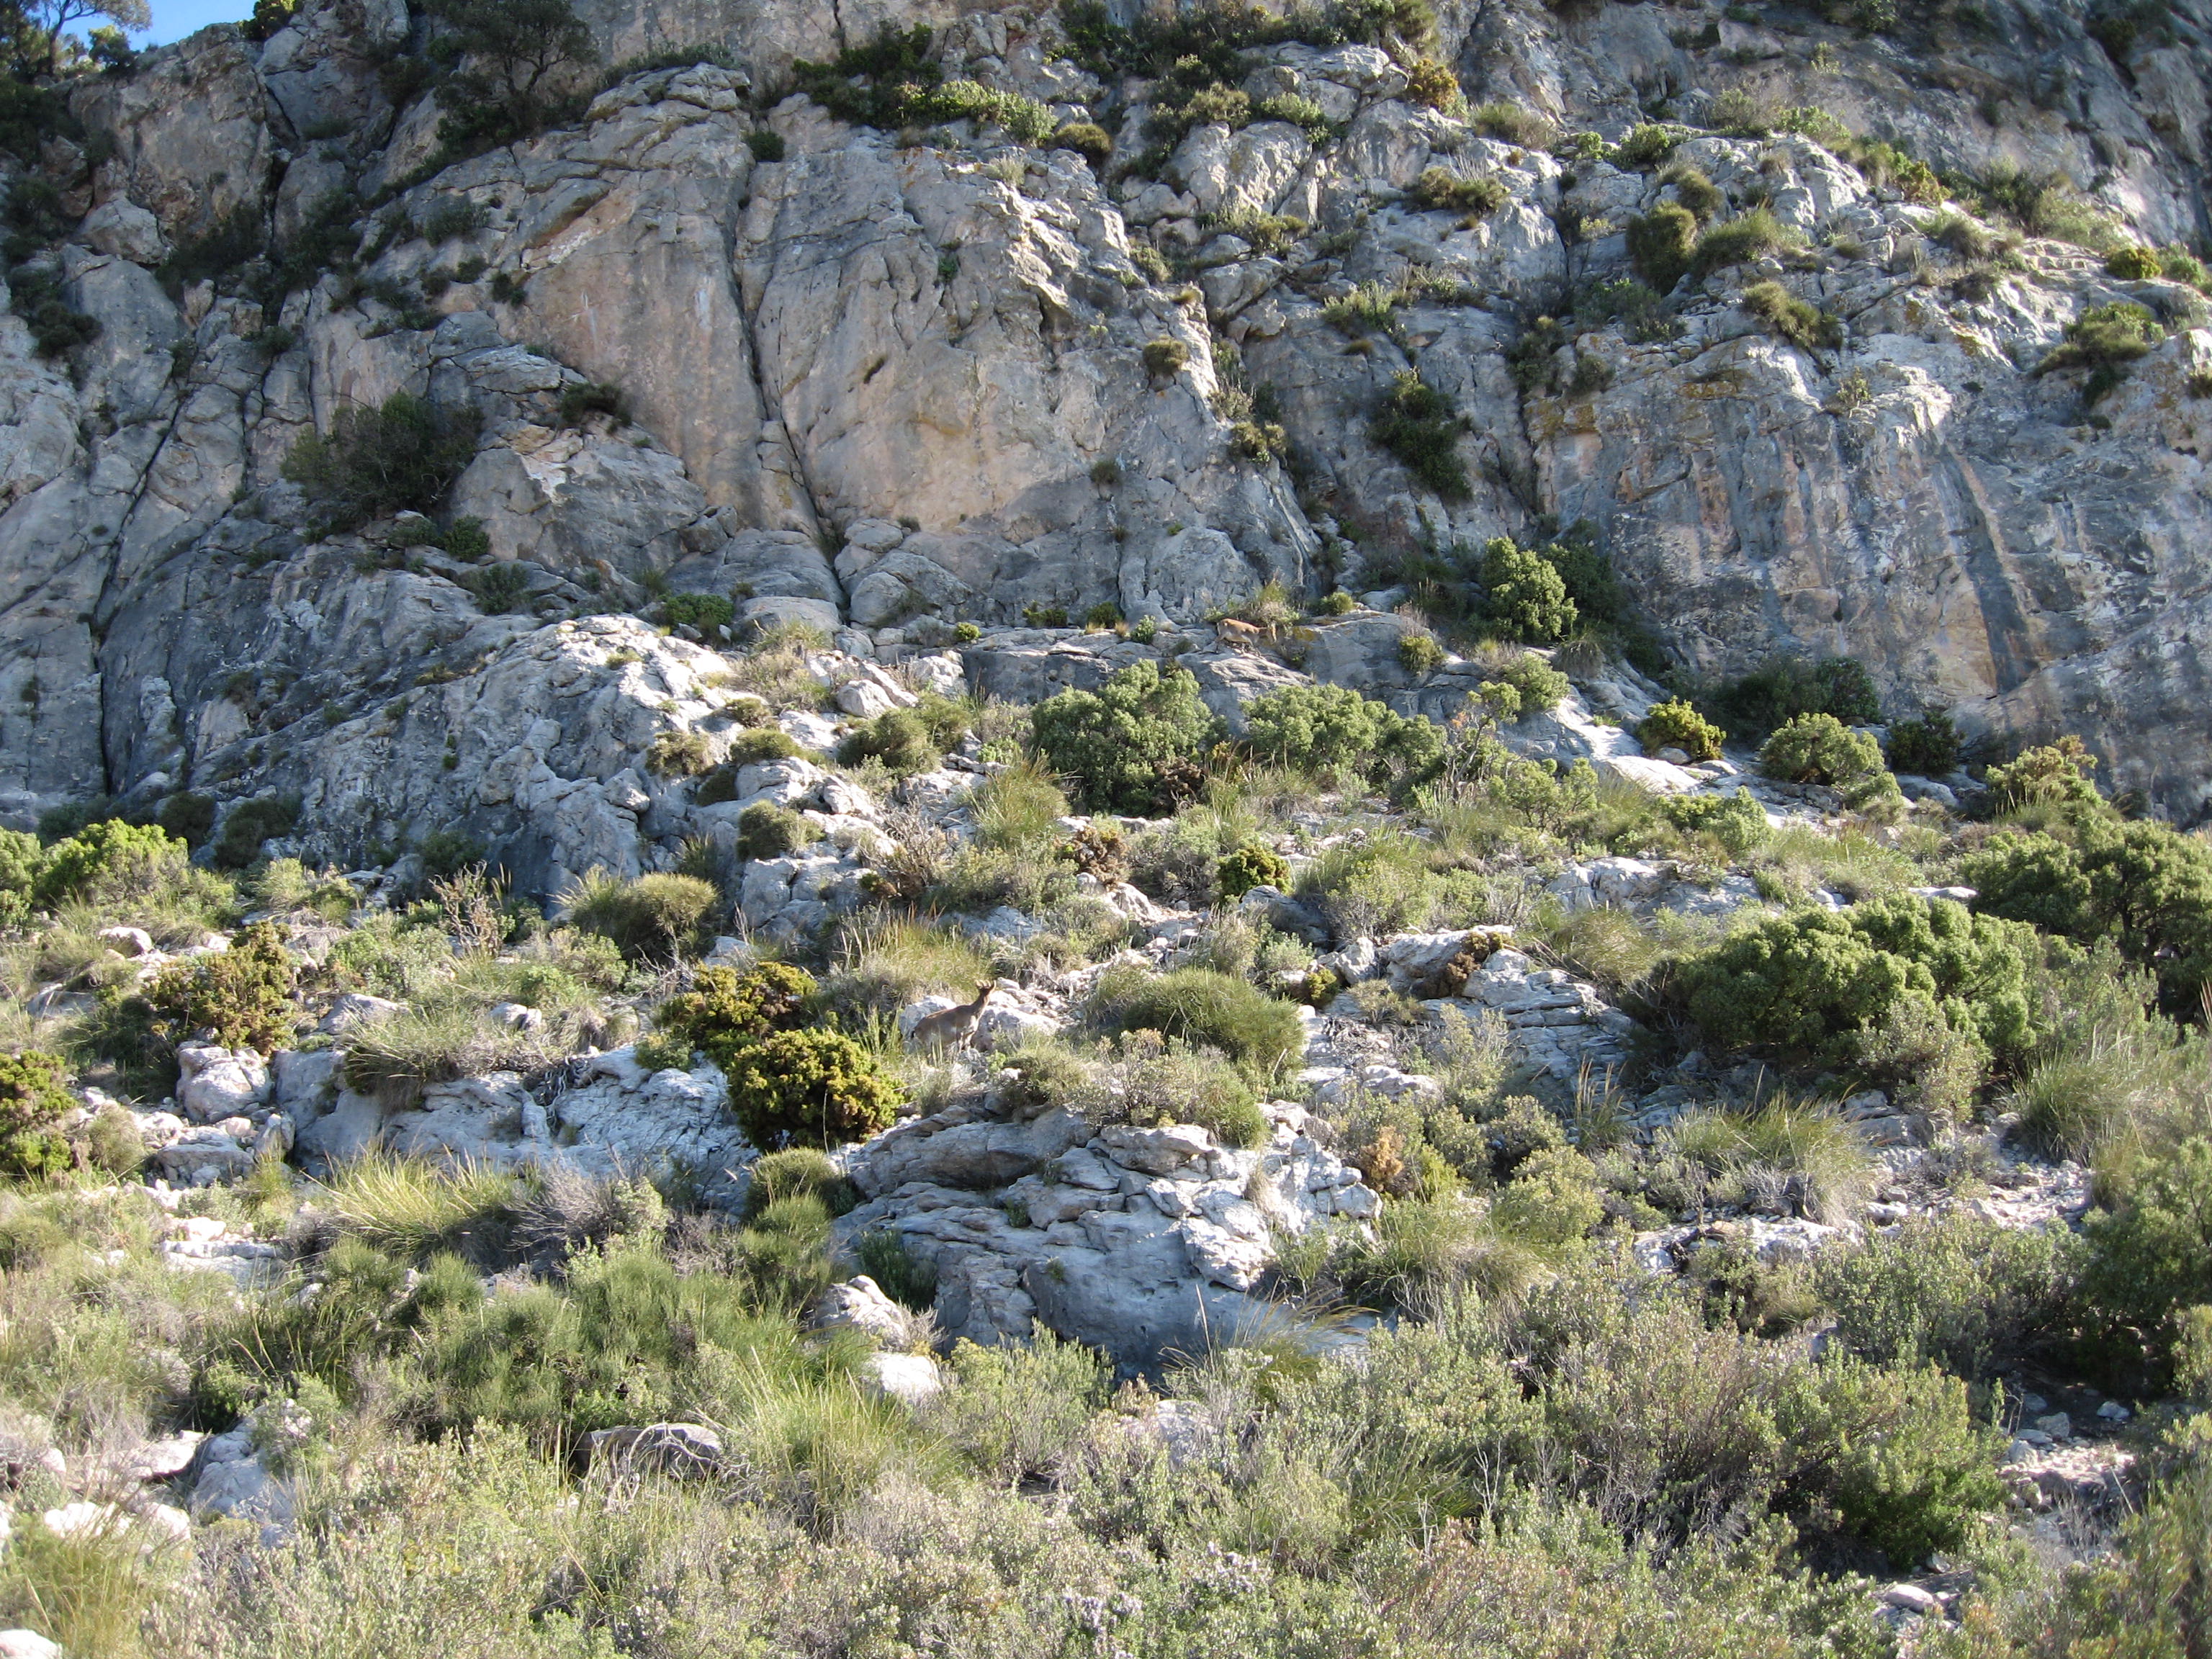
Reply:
x=891, y=381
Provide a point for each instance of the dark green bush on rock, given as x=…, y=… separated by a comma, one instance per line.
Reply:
x=2049, y=774
x=401, y=456
x=790, y=1085
x=1418, y=425
x=1525, y=597
x=650, y=919
x=1541, y=687
x=1818, y=749
x=250, y=822
x=1252, y=866
x=1677, y=724
x=241, y=996
x=906, y=740
x=1816, y=984
x=108, y=860
x=34, y=1096
x=1660, y=245
x=1737, y=822
x=765, y=831
x=1786, y=687
x=1927, y=747
x=1131, y=746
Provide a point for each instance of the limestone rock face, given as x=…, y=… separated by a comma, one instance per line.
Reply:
x=1134, y=1240
x=889, y=383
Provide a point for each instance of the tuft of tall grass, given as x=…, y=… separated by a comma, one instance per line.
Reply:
x=888, y=962
x=90, y=1590
x=1779, y=1143
x=1015, y=808
x=410, y=1207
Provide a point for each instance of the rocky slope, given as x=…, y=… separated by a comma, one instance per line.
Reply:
x=891, y=381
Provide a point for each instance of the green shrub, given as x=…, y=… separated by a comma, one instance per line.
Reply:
x=1927, y=747
x=101, y=863
x=1418, y=651
x=1772, y=695
x=34, y=1097
x=1749, y=236
x=400, y=456
x=1737, y=822
x=249, y=823
x=1798, y=321
x=189, y=816
x=1646, y=145
x=651, y=919
x=704, y=611
x=1159, y=1080
x=768, y=830
x=1431, y=84
x=1552, y=1199
x=1694, y=191
x=906, y=1278
x=507, y=65
x=801, y=1172
x=1335, y=603
x=446, y=852
x=2133, y=265
x=1200, y=1006
x=1440, y=189
x=1818, y=983
x=680, y=755
x=2053, y=775
x=1087, y=139
x=762, y=743
x=1540, y=687
x=1907, y=1469
x=2105, y=337
x=1252, y=866
x=1819, y=748
x=790, y=1084
x=1132, y=746
x=808, y=1088
x=1677, y=724
x=1332, y=729
x=2142, y=884
x=22, y=858
x=1418, y=425
x=243, y=995
x=1975, y=1297
x=1525, y=597
x=1166, y=358
x=906, y=740
x=1661, y=244
x=1510, y=124
x=1022, y=1409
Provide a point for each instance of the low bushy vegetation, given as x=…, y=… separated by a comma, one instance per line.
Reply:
x=792, y=1082
x=648, y=918
x=1825, y=985
x=1131, y=746
x=401, y=456
x=1200, y=1006
x=1333, y=731
x=1677, y=724
x=1418, y=425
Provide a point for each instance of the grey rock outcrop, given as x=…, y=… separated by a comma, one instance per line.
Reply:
x=905, y=385
x=1136, y=1241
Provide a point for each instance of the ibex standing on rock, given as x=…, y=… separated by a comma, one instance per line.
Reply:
x=953, y=1025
